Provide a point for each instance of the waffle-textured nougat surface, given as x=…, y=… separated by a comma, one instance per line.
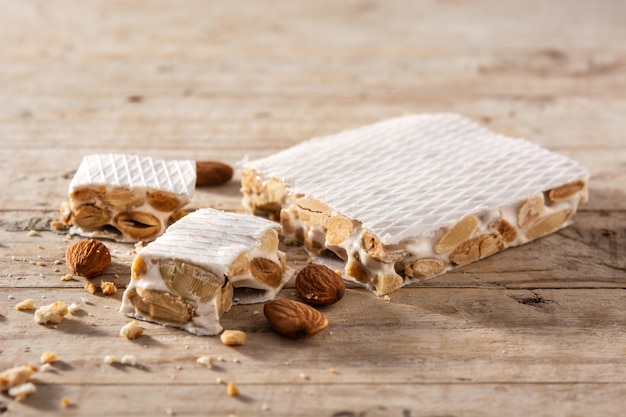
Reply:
x=127, y=197
x=411, y=197
x=209, y=259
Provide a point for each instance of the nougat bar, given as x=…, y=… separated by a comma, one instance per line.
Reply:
x=128, y=198
x=206, y=261
x=409, y=198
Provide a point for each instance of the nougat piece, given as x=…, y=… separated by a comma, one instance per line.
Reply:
x=128, y=198
x=409, y=198
x=201, y=265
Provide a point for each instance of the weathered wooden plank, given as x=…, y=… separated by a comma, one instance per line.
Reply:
x=334, y=400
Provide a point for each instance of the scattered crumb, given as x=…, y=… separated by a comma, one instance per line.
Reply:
x=48, y=357
x=109, y=359
x=129, y=360
x=256, y=312
x=108, y=288
x=20, y=392
x=265, y=407
x=303, y=375
x=231, y=389
x=90, y=287
x=55, y=269
x=15, y=376
x=51, y=313
x=58, y=226
x=206, y=361
x=233, y=337
x=236, y=360
x=333, y=371
x=85, y=300
x=131, y=330
x=73, y=308
x=67, y=277
x=386, y=298
x=41, y=263
x=33, y=233
x=65, y=402
x=170, y=412
x=46, y=367
x=11, y=297
x=57, y=262
x=219, y=380
x=39, y=246
x=309, y=260
x=28, y=304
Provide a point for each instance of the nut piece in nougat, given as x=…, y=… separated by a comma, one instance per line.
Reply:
x=409, y=198
x=202, y=264
x=128, y=198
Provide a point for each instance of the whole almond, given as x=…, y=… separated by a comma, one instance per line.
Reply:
x=88, y=258
x=319, y=285
x=294, y=319
x=212, y=173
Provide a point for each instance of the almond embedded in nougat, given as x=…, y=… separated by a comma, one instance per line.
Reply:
x=210, y=173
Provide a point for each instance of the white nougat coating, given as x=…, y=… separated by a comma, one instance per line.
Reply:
x=400, y=185
x=213, y=240
x=140, y=176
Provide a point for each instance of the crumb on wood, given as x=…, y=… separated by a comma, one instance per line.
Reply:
x=131, y=330
x=28, y=304
x=51, y=313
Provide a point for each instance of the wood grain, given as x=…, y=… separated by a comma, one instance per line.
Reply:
x=534, y=330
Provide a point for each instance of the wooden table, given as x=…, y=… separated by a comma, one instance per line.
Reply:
x=535, y=330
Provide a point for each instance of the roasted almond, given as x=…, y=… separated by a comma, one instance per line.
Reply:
x=319, y=285
x=565, y=191
x=294, y=319
x=210, y=173
x=425, y=267
x=266, y=271
x=137, y=225
x=89, y=216
x=457, y=234
x=88, y=258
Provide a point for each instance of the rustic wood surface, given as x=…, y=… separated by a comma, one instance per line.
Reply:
x=535, y=330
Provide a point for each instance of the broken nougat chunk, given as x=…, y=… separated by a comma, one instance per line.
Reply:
x=186, y=278
x=409, y=198
x=128, y=198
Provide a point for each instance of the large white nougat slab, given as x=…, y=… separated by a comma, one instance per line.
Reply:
x=127, y=197
x=209, y=259
x=397, y=187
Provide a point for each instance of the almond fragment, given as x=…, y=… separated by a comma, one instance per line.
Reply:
x=266, y=272
x=122, y=198
x=88, y=258
x=506, y=230
x=48, y=357
x=108, y=287
x=51, y=313
x=89, y=216
x=425, y=267
x=467, y=252
x=359, y=272
x=28, y=304
x=138, y=269
x=161, y=306
x=232, y=390
x=375, y=248
x=548, y=224
x=131, y=331
x=387, y=283
x=162, y=200
x=565, y=191
x=251, y=183
x=16, y=376
x=338, y=229
x=294, y=319
x=190, y=281
x=530, y=211
x=269, y=241
x=137, y=225
x=319, y=285
x=225, y=301
x=83, y=195
x=233, y=338
x=212, y=173
x=457, y=234
x=312, y=212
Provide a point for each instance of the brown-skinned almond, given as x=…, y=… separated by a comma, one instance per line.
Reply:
x=88, y=258
x=211, y=173
x=319, y=285
x=294, y=319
